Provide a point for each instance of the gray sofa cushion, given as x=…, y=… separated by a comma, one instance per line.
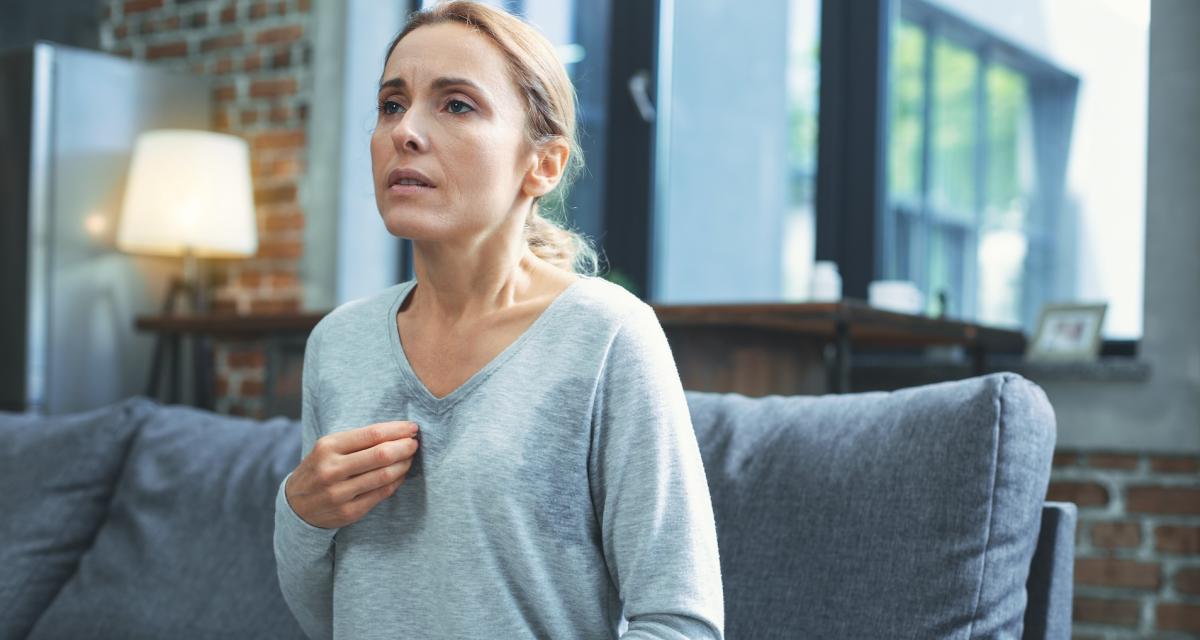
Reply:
x=187, y=549
x=58, y=474
x=909, y=514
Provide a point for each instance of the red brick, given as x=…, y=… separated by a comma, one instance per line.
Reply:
x=281, y=58
x=1113, y=461
x=284, y=222
x=250, y=279
x=252, y=62
x=278, y=35
x=1188, y=581
x=1111, y=535
x=303, y=6
x=221, y=120
x=1176, y=539
x=281, y=194
x=224, y=93
x=258, y=10
x=278, y=167
x=245, y=359
x=272, y=88
x=1178, y=617
x=229, y=14
x=121, y=31
x=281, y=139
x=1115, y=572
x=1174, y=464
x=282, y=280
x=1180, y=500
x=167, y=50
x=280, y=114
x=1083, y=494
x=136, y=6
x=251, y=388
x=280, y=249
x=1066, y=459
x=221, y=387
x=249, y=116
x=229, y=41
x=198, y=20
x=1125, y=613
x=223, y=65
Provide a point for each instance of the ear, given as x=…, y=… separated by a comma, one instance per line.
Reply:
x=549, y=163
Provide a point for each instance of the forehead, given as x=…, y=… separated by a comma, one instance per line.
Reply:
x=449, y=49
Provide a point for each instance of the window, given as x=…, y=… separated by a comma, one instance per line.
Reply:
x=1015, y=157
x=964, y=219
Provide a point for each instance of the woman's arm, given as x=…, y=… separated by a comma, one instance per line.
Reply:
x=303, y=552
x=650, y=491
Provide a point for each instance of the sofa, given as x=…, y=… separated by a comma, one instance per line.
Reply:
x=917, y=513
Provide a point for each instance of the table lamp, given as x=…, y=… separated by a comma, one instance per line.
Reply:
x=188, y=194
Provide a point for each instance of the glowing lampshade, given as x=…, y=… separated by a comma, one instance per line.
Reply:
x=189, y=190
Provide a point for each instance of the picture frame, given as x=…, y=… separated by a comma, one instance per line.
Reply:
x=1067, y=332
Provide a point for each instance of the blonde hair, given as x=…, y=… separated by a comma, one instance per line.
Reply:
x=550, y=100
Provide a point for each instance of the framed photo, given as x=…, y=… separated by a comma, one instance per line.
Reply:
x=1067, y=332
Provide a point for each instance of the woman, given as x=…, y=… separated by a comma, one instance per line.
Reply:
x=555, y=489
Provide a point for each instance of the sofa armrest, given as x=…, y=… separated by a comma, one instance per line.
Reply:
x=1051, y=575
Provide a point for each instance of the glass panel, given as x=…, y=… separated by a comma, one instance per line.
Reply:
x=799, y=237
x=1001, y=276
x=1010, y=179
x=908, y=104
x=736, y=118
x=953, y=185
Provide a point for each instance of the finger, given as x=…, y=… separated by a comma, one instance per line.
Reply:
x=370, y=435
x=378, y=456
x=377, y=479
x=364, y=501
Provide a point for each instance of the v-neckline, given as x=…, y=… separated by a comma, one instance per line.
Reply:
x=418, y=388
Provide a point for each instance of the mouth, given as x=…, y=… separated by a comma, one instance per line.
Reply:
x=408, y=181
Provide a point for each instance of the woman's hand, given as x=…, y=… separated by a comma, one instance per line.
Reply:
x=347, y=473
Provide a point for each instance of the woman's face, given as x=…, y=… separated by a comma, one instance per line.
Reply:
x=469, y=141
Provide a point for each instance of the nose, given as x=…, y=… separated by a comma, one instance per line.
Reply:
x=406, y=135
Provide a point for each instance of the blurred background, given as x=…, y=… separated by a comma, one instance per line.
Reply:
x=1000, y=160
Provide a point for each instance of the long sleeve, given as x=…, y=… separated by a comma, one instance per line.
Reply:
x=650, y=490
x=303, y=552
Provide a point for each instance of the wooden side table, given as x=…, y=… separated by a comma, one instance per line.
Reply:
x=278, y=331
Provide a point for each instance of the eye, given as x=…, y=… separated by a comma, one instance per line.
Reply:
x=459, y=102
x=383, y=105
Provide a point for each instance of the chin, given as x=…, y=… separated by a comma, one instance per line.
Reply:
x=413, y=223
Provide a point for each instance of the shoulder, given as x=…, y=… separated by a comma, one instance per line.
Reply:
x=628, y=324
x=611, y=304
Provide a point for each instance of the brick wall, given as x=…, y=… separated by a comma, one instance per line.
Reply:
x=1137, y=561
x=259, y=54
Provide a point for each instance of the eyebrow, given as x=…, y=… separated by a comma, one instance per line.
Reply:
x=439, y=83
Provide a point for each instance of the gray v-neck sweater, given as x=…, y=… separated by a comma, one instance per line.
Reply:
x=559, y=493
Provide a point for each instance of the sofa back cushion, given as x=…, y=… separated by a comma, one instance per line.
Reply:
x=906, y=514
x=57, y=474
x=187, y=549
